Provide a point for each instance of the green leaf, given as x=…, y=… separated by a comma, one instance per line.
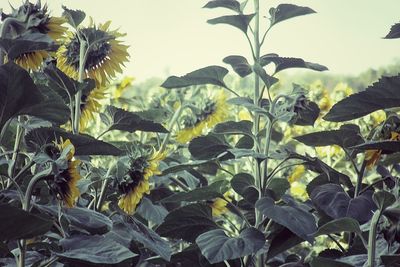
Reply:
x=74, y=17
x=383, y=199
x=267, y=79
x=151, y=212
x=216, y=246
x=187, y=222
x=278, y=187
x=319, y=261
x=94, y=249
x=292, y=216
x=243, y=184
x=20, y=96
x=27, y=43
x=234, y=128
x=282, y=242
x=336, y=203
x=124, y=233
x=307, y=115
x=230, y=4
x=16, y=223
x=386, y=146
x=286, y=11
x=84, y=144
x=239, y=64
x=206, y=147
x=394, y=32
x=245, y=142
x=214, y=190
x=282, y=63
x=338, y=226
x=346, y=136
x=383, y=94
x=209, y=75
x=391, y=260
x=243, y=153
x=61, y=82
x=82, y=218
x=238, y=21
x=247, y=103
x=128, y=121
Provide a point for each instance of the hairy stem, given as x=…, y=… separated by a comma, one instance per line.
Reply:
x=372, y=238
x=78, y=96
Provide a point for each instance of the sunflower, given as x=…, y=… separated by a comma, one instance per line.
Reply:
x=218, y=205
x=298, y=172
x=121, y=87
x=64, y=183
x=104, y=57
x=38, y=21
x=135, y=183
x=372, y=156
x=214, y=112
x=90, y=104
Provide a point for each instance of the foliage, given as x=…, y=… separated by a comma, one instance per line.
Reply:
x=212, y=169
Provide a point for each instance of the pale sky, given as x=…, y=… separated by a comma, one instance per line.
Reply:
x=172, y=37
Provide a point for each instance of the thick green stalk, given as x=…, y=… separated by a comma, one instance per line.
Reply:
x=78, y=96
x=372, y=238
x=171, y=125
x=17, y=143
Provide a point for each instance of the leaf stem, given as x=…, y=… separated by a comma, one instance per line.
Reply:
x=372, y=238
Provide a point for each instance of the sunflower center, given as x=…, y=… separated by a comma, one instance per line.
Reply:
x=99, y=50
x=134, y=175
x=209, y=109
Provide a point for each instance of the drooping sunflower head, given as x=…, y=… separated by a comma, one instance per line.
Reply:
x=33, y=19
x=135, y=183
x=64, y=183
x=105, y=53
x=90, y=105
x=213, y=112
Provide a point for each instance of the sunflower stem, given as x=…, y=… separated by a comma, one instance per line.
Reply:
x=171, y=125
x=18, y=136
x=372, y=238
x=78, y=96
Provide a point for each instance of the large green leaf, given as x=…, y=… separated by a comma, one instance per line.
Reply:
x=247, y=103
x=291, y=216
x=244, y=185
x=187, y=222
x=119, y=119
x=208, y=75
x=346, y=136
x=338, y=226
x=151, y=212
x=383, y=94
x=383, y=199
x=124, y=233
x=326, y=262
x=282, y=63
x=277, y=187
x=394, y=32
x=214, y=190
x=286, y=11
x=283, y=241
x=336, y=203
x=82, y=218
x=216, y=246
x=265, y=77
x=16, y=223
x=28, y=43
x=230, y=4
x=233, y=127
x=239, y=64
x=20, y=96
x=84, y=144
x=94, y=249
x=206, y=147
x=59, y=81
x=74, y=17
x=238, y=21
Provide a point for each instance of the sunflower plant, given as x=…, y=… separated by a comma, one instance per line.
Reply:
x=207, y=169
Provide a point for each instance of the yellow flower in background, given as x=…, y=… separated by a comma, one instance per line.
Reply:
x=44, y=24
x=122, y=86
x=298, y=190
x=90, y=104
x=325, y=102
x=65, y=183
x=245, y=115
x=298, y=172
x=214, y=112
x=378, y=117
x=373, y=156
x=136, y=182
x=329, y=151
x=342, y=90
x=218, y=206
x=105, y=55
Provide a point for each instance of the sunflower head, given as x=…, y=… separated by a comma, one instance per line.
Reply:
x=90, y=105
x=135, y=183
x=218, y=205
x=297, y=173
x=213, y=111
x=105, y=53
x=64, y=182
x=122, y=86
x=33, y=19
